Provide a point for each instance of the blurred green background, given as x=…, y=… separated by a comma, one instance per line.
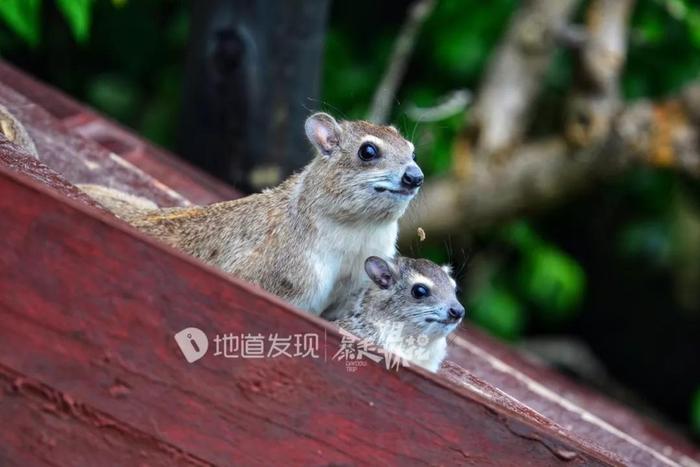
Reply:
x=617, y=268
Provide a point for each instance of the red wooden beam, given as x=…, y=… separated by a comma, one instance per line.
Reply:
x=43, y=426
x=586, y=413
x=70, y=116
x=478, y=365
x=80, y=160
x=90, y=307
x=18, y=160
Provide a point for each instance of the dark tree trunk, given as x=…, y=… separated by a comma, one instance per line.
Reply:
x=252, y=77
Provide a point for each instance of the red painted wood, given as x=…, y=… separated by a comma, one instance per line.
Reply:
x=16, y=159
x=89, y=308
x=478, y=362
x=195, y=185
x=586, y=413
x=80, y=160
x=42, y=426
x=192, y=183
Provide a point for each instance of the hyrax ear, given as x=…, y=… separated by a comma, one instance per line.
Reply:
x=381, y=272
x=323, y=132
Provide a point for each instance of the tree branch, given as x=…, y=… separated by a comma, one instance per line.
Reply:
x=452, y=104
x=596, y=98
x=536, y=175
x=514, y=76
x=419, y=11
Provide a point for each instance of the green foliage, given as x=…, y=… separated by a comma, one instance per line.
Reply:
x=495, y=308
x=539, y=281
x=665, y=47
x=647, y=237
x=461, y=34
x=22, y=16
x=695, y=412
x=128, y=66
x=435, y=253
x=553, y=281
x=548, y=278
x=349, y=92
x=77, y=13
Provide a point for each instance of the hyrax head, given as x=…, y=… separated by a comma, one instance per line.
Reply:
x=369, y=171
x=415, y=292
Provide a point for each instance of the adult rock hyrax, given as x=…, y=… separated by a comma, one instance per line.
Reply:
x=306, y=239
x=410, y=308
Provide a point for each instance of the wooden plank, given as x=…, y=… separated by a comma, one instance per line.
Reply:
x=42, y=426
x=90, y=307
x=80, y=160
x=192, y=183
x=588, y=414
x=18, y=160
x=197, y=186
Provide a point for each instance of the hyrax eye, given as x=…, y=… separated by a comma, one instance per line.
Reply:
x=420, y=291
x=368, y=151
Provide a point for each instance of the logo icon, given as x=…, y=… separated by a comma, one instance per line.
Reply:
x=193, y=343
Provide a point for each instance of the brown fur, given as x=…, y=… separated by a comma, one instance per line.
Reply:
x=304, y=240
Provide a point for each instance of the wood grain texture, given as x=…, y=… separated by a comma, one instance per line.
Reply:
x=587, y=414
x=197, y=186
x=80, y=160
x=43, y=426
x=90, y=306
x=19, y=160
x=86, y=147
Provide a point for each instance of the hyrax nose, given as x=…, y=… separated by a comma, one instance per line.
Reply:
x=456, y=312
x=413, y=177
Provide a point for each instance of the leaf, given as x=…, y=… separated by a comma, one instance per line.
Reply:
x=652, y=29
x=77, y=13
x=22, y=16
x=547, y=276
x=119, y=3
x=521, y=235
x=497, y=310
x=554, y=282
x=694, y=27
x=677, y=8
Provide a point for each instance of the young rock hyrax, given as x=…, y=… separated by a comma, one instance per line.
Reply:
x=410, y=308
